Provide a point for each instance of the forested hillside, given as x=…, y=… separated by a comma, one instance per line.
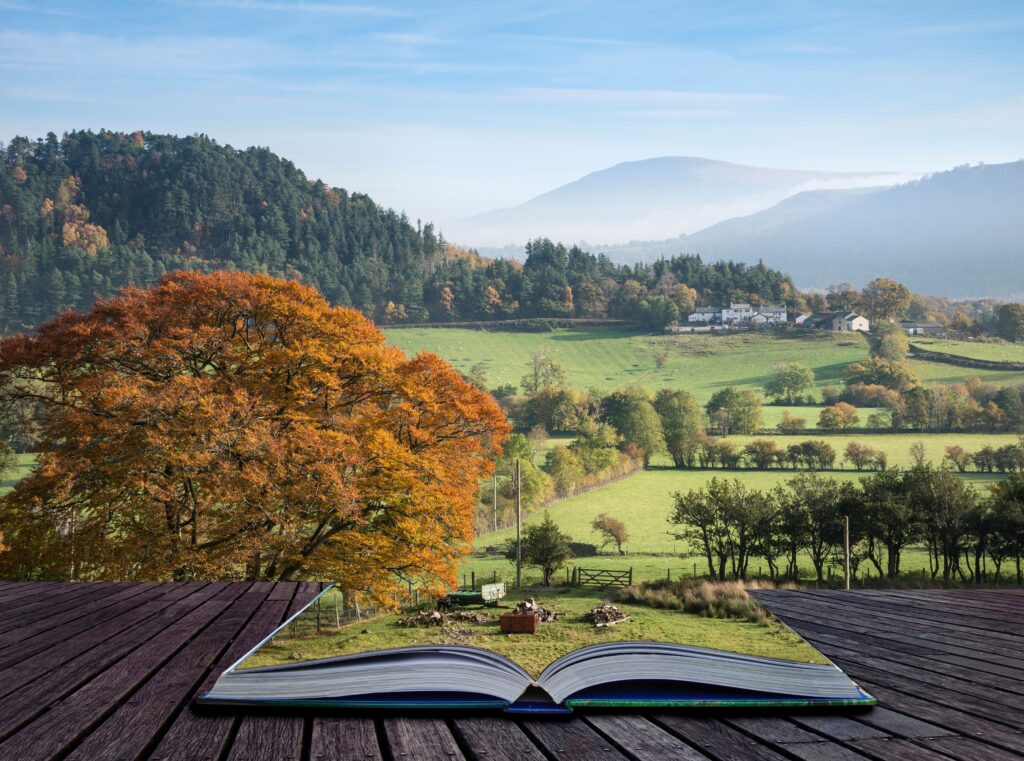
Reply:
x=83, y=215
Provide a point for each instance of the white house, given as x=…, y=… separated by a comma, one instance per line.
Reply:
x=706, y=315
x=737, y=313
x=841, y=322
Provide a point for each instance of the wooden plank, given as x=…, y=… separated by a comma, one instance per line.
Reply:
x=717, y=739
x=196, y=732
x=495, y=738
x=67, y=721
x=970, y=747
x=944, y=716
x=135, y=725
x=42, y=655
x=895, y=749
x=19, y=644
x=781, y=734
x=641, y=739
x=266, y=741
x=257, y=727
x=970, y=645
x=838, y=727
x=900, y=724
x=345, y=739
x=571, y=740
x=40, y=692
x=423, y=739
x=69, y=604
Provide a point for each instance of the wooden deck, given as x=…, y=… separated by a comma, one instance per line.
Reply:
x=108, y=671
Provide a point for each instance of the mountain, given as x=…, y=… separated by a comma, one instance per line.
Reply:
x=958, y=233
x=654, y=198
x=799, y=206
x=85, y=214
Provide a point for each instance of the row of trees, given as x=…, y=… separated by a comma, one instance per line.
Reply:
x=1005, y=459
x=967, y=537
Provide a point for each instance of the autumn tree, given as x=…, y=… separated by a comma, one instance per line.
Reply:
x=612, y=531
x=885, y=299
x=235, y=426
x=840, y=415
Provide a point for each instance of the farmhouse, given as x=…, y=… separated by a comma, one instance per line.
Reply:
x=920, y=328
x=836, y=321
x=739, y=314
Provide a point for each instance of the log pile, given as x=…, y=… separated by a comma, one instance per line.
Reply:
x=426, y=618
x=605, y=615
x=530, y=606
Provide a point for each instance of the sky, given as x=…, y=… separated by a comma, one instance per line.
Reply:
x=447, y=109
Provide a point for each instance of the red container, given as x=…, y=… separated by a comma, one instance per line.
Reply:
x=519, y=623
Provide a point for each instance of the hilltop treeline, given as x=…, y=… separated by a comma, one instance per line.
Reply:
x=82, y=215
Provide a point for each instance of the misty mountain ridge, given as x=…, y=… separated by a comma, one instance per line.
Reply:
x=651, y=199
x=958, y=233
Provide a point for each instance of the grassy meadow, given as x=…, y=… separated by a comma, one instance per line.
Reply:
x=991, y=351
x=606, y=358
x=552, y=640
x=25, y=464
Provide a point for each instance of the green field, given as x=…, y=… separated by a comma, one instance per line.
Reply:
x=994, y=352
x=605, y=358
x=25, y=464
x=644, y=502
x=552, y=640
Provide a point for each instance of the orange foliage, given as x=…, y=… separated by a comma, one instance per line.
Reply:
x=235, y=426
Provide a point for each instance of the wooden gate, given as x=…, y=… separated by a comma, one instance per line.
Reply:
x=590, y=577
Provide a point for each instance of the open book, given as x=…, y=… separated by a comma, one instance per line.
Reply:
x=462, y=660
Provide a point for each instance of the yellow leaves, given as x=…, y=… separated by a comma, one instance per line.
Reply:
x=46, y=207
x=19, y=175
x=235, y=426
x=68, y=190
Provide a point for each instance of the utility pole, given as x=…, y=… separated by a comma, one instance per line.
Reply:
x=846, y=548
x=494, y=478
x=519, y=522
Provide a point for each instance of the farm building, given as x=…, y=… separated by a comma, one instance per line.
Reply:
x=839, y=322
x=920, y=328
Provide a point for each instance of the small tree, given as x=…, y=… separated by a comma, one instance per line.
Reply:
x=7, y=459
x=735, y=410
x=763, y=453
x=612, y=530
x=791, y=424
x=565, y=469
x=544, y=371
x=859, y=455
x=544, y=546
x=959, y=457
x=790, y=383
x=682, y=424
x=839, y=416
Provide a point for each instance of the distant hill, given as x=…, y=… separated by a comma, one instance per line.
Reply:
x=654, y=198
x=958, y=233
x=87, y=213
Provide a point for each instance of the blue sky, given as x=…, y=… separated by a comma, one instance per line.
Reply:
x=448, y=109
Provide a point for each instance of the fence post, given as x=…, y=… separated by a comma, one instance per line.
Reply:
x=472, y=580
x=494, y=577
x=669, y=574
x=631, y=575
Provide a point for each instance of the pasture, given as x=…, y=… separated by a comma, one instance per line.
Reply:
x=606, y=358
x=991, y=351
x=25, y=464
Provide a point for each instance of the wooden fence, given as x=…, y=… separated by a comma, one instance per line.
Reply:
x=591, y=577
